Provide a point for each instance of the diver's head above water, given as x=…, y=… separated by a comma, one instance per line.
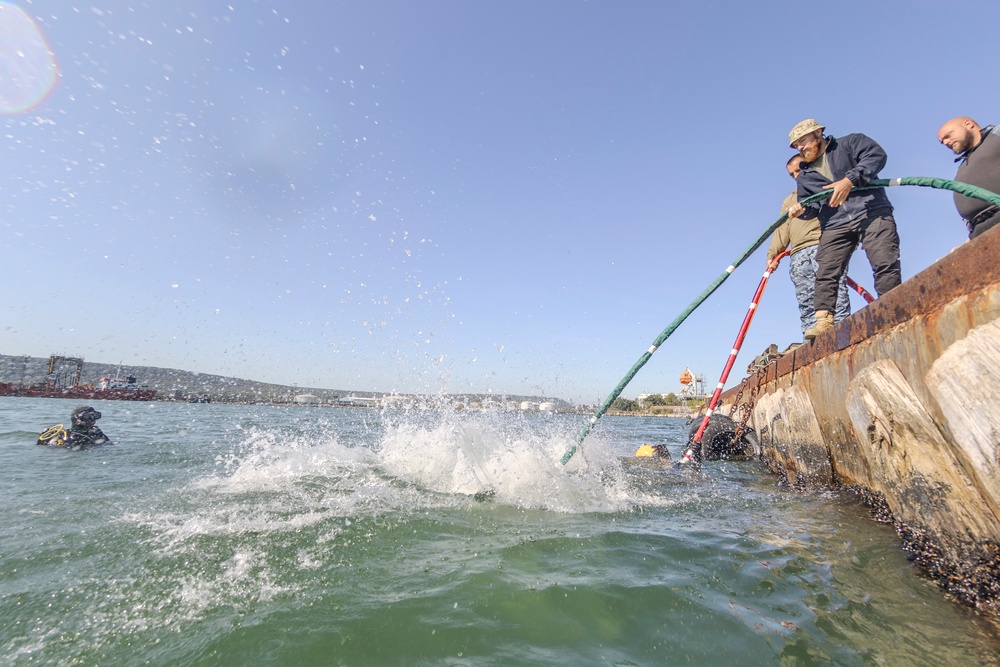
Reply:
x=84, y=416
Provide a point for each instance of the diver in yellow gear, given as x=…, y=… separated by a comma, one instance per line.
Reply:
x=83, y=432
x=651, y=456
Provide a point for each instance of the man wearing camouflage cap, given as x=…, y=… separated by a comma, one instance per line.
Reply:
x=848, y=217
x=802, y=237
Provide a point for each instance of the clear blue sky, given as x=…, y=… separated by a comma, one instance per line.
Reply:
x=451, y=196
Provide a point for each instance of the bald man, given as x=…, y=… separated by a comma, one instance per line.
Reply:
x=978, y=151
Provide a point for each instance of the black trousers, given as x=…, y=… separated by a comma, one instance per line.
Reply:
x=878, y=237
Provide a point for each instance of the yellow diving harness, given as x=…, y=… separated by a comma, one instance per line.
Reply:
x=53, y=435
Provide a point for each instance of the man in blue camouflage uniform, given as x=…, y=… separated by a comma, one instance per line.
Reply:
x=802, y=238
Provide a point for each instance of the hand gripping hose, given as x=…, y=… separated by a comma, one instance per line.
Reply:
x=920, y=181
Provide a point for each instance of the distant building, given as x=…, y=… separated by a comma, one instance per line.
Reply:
x=358, y=401
x=692, y=385
x=397, y=401
x=307, y=399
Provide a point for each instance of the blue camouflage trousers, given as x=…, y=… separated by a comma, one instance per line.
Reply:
x=802, y=267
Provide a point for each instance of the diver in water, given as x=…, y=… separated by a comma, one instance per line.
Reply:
x=83, y=433
x=650, y=456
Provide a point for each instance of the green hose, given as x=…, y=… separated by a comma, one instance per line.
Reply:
x=922, y=181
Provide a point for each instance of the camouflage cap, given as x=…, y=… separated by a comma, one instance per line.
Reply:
x=802, y=129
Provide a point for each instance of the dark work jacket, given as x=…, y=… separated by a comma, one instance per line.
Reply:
x=980, y=165
x=858, y=158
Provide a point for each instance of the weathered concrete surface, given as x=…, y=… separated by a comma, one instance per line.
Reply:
x=791, y=438
x=902, y=402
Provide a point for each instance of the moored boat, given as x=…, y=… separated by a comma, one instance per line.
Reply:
x=112, y=389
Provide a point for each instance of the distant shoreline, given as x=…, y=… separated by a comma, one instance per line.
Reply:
x=658, y=411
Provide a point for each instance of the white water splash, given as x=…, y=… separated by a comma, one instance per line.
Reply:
x=516, y=460
x=286, y=479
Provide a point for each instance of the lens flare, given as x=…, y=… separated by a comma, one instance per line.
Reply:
x=27, y=65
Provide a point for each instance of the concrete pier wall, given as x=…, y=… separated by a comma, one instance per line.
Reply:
x=902, y=402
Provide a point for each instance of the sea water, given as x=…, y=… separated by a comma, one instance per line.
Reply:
x=253, y=535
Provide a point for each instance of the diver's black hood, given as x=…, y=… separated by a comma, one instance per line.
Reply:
x=85, y=413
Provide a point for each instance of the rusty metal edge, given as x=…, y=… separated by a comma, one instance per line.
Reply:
x=968, y=268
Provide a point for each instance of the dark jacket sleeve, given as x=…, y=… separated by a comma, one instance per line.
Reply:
x=869, y=158
x=811, y=210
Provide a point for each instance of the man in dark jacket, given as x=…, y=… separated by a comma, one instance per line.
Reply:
x=849, y=216
x=978, y=150
x=801, y=237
